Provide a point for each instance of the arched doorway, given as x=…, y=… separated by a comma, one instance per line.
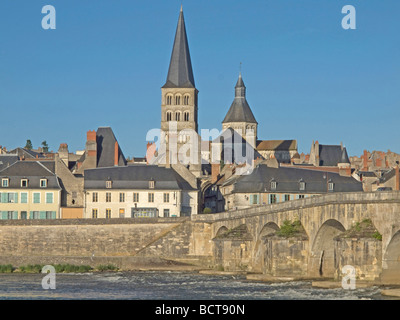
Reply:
x=323, y=249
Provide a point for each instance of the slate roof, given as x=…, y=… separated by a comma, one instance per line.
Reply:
x=135, y=177
x=180, y=73
x=287, y=180
x=7, y=159
x=240, y=110
x=105, y=148
x=25, y=153
x=331, y=155
x=31, y=170
x=235, y=149
x=276, y=145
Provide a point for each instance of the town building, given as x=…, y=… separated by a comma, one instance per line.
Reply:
x=138, y=191
x=29, y=190
x=267, y=185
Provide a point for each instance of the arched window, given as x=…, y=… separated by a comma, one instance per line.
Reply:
x=169, y=116
x=186, y=116
x=186, y=99
x=178, y=116
x=177, y=100
x=169, y=100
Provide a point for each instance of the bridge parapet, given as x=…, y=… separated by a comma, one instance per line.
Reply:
x=320, y=200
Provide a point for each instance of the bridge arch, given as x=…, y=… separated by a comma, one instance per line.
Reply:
x=267, y=229
x=323, y=249
x=391, y=260
x=221, y=231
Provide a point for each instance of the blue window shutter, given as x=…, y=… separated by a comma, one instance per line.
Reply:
x=4, y=197
x=42, y=215
x=15, y=215
x=53, y=215
x=16, y=197
x=4, y=215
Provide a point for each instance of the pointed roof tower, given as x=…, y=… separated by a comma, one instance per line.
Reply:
x=240, y=110
x=180, y=73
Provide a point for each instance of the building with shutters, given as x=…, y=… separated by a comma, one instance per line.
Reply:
x=29, y=190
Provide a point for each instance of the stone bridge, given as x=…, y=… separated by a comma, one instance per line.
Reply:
x=244, y=239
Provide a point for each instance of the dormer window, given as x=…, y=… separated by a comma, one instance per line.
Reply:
x=151, y=184
x=24, y=183
x=5, y=182
x=273, y=185
x=43, y=183
x=302, y=185
x=108, y=184
x=330, y=185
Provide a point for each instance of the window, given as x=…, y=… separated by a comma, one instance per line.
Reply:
x=166, y=197
x=108, y=184
x=5, y=183
x=302, y=185
x=43, y=183
x=49, y=197
x=34, y=214
x=301, y=196
x=122, y=197
x=166, y=213
x=169, y=100
x=95, y=197
x=50, y=215
x=24, y=215
x=186, y=99
x=254, y=199
x=330, y=185
x=151, y=197
x=108, y=196
x=273, y=185
x=151, y=184
x=169, y=116
x=186, y=116
x=178, y=100
x=287, y=197
x=122, y=213
x=94, y=213
x=135, y=197
x=108, y=213
x=24, y=183
x=272, y=198
x=24, y=197
x=12, y=197
x=178, y=116
x=36, y=197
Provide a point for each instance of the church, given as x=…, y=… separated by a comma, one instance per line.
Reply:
x=219, y=164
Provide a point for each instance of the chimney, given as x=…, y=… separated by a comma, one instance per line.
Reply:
x=215, y=171
x=365, y=161
x=63, y=153
x=116, y=154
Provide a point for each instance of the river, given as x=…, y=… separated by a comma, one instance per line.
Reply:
x=162, y=285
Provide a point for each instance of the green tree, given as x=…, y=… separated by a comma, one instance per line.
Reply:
x=45, y=146
x=28, y=145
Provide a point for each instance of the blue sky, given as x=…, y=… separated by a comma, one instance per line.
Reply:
x=307, y=78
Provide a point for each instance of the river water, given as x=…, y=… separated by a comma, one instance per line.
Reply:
x=168, y=286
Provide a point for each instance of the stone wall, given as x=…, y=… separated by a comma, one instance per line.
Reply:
x=365, y=255
x=125, y=242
